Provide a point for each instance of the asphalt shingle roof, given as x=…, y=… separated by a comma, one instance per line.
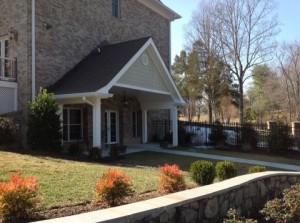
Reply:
x=97, y=69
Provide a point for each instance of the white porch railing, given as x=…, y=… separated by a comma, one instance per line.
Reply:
x=8, y=69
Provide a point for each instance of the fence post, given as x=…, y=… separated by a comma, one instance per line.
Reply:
x=271, y=124
x=296, y=130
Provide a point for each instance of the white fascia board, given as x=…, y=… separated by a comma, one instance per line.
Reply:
x=142, y=89
x=80, y=95
x=161, y=9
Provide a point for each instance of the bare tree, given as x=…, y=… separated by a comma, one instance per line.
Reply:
x=241, y=31
x=289, y=63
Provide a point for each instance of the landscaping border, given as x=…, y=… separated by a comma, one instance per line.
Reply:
x=247, y=194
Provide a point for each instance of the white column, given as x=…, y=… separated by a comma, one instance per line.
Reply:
x=60, y=112
x=144, y=126
x=97, y=123
x=173, y=113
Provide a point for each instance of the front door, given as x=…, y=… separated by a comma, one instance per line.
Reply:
x=111, y=126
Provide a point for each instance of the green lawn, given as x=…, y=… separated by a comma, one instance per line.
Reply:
x=63, y=182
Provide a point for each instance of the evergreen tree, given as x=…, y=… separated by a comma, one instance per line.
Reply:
x=44, y=124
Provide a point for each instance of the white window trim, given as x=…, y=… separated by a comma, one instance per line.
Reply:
x=108, y=136
x=68, y=124
x=2, y=55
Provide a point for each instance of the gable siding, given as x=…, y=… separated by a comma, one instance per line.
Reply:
x=146, y=76
x=79, y=26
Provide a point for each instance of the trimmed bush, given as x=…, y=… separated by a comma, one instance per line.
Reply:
x=202, y=172
x=8, y=130
x=217, y=134
x=75, y=150
x=112, y=187
x=280, y=138
x=95, y=154
x=18, y=197
x=171, y=179
x=44, y=124
x=225, y=170
x=256, y=169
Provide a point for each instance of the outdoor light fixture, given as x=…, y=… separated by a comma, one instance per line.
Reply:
x=125, y=101
x=47, y=25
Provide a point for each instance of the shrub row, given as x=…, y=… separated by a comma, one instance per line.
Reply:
x=203, y=172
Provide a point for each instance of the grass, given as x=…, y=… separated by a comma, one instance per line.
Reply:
x=64, y=182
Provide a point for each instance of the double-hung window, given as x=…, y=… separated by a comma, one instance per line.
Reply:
x=72, y=124
x=116, y=8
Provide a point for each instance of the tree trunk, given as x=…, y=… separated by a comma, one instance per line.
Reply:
x=209, y=104
x=241, y=101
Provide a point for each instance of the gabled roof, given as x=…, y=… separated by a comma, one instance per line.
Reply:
x=98, y=68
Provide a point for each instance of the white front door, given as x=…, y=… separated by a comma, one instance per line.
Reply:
x=111, y=127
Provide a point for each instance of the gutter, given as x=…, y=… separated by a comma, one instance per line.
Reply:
x=33, y=50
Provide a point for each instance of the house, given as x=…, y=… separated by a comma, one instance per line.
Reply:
x=106, y=61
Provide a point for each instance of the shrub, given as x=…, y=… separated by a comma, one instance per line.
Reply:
x=95, y=154
x=184, y=137
x=286, y=209
x=18, y=197
x=225, y=170
x=44, y=124
x=202, y=172
x=280, y=138
x=113, y=187
x=256, y=169
x=248, y=136
x=75, y=150
x=232, y=217
x=8, y=130
x=217, y=134
x=114, y=152
x=171, y=179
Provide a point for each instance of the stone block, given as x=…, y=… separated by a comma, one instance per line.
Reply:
x=212, y=208
x=238, y=200
x=187, y=215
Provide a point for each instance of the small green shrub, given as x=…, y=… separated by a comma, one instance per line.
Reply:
x=248, y=136
x=256, y=169
x=232, y=217
x=225, y=170
x=280, y=138
x=217, y=134
x=286, y=209
x=113, y=187
x=8, y=129
x=184, y=137
x=18, y=197
x=203, y=172
x=95, y=154
x=171, y=179
x=75, y=150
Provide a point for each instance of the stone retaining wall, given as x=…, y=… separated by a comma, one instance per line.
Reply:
x=206, y=204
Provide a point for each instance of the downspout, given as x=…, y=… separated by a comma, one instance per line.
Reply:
x=33, y=49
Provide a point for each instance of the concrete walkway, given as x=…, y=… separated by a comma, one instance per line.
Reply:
x=156, y=148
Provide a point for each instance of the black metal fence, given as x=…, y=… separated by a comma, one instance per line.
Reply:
x=236, y=134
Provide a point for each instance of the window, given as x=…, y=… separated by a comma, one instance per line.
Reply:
x=134, y=124
x=72, y=124
x=4, y=62
x=116, y=8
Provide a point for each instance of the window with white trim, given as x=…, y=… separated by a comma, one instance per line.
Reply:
x=4, y=46
x=116, y=8
x=72, y=124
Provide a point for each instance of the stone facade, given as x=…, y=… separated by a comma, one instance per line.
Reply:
x=77, y=28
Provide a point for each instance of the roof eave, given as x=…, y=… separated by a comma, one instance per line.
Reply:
x=161, y=9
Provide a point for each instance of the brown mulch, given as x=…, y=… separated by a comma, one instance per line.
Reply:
x=87, y=207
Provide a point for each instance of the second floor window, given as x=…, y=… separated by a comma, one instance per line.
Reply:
x=4, y=63
x=116, y=8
